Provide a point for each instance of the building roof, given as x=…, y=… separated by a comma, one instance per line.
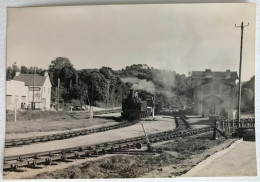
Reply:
x=215, y=74
x=28, y=79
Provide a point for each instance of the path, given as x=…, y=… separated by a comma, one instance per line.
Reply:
x=237, y=160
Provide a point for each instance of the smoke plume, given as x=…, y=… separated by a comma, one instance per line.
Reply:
x=138, y=84
x=147, y=86
x=165, y=78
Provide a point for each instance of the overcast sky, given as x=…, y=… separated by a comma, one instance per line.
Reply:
x=182, y=37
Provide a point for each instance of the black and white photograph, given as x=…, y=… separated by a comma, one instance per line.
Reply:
x=130, y=91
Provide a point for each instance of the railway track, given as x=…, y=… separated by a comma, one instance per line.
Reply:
x=33, y=160
x=64, y=135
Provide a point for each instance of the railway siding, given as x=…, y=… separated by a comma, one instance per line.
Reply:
x=47, y=157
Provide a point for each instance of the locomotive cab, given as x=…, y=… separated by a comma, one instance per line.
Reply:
x=133, y=108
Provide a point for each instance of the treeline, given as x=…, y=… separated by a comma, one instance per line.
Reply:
x=248, y=95
x=105, y=87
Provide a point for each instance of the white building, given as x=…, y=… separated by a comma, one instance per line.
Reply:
x=37, y=86
x=16, y=94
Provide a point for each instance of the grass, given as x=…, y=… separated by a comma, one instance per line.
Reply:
x=112, y=167
x=123, y=166
x=23, y=115
x=46, y=121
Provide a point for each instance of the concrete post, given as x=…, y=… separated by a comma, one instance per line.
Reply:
x=91, y=113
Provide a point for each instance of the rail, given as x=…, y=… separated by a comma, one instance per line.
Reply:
x=64, y=135
x=32, y=160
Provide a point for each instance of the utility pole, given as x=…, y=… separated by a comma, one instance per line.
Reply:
x=240, y=66
x=91, y=106
x=70, y=83
x=108, y=87
x=33, y=103
x=58, y=94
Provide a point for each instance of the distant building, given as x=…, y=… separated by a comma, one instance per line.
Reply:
x=214, y=92
x=42, y=89
x=16, y=94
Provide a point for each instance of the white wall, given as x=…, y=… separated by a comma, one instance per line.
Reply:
x=16, y=89
x=46, y=92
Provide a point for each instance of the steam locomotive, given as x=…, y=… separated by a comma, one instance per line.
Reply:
x=133, y=108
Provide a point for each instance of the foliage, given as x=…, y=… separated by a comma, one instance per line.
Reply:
x=58, y=69
x=11, y=71
x=248, y=95
x=31, y=70
x=104, y=87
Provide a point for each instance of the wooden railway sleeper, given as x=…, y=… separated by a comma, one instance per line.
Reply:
x=80, y=149
x=77, y=156
x=65, y=159
x=87, y=154
x=35, y=156
x=20, y=159
x=16, y=167
x=49, y=161
x=104, y=151
x=33, y=165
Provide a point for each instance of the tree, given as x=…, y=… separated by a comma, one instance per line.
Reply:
x=250, y=84
x=77, y=93
x=247, y=100
x=248, y=95
x=55, y=68
x=68, y=73
x=106, y=71
x=24, y=70
x=9, y=73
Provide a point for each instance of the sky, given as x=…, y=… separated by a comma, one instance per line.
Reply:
x=180, y=37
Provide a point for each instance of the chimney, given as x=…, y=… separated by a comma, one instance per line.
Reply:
x=17, y=73
x=46, y=73
x=208, y=73
x=228, y=74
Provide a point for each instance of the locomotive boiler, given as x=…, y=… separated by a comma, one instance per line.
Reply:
x=133, y=108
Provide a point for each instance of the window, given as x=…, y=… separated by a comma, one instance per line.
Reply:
x=8, y=99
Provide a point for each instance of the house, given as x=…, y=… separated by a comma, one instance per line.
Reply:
x=215, y=92
x=16, y=94
x=39, y=89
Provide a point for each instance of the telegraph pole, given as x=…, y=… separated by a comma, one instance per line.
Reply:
x=91, y=106
x=240, y=65
x=58, y=94
x=33, y=103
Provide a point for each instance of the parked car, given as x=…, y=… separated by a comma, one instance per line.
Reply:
x=78, y=108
